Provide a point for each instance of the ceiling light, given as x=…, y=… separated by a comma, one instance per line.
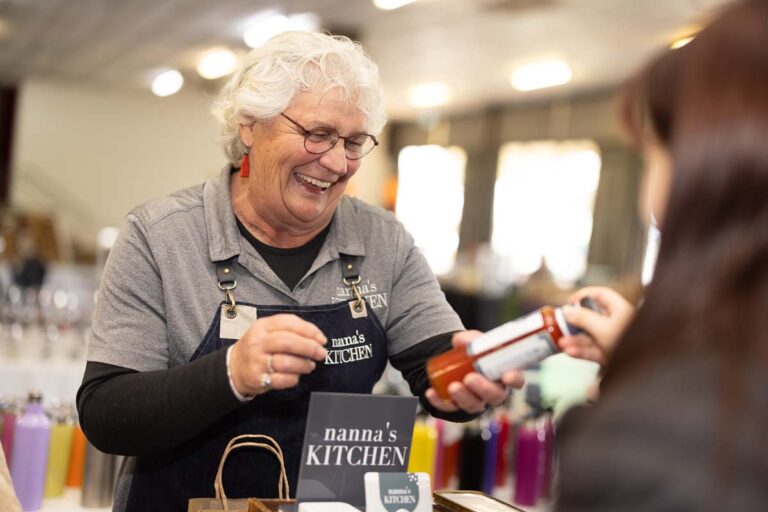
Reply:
x=268, y=25
x=216, y=63
x=388, y=5
x=427, y=95
x=167, y=83
x=679, y=43
x=540, y=75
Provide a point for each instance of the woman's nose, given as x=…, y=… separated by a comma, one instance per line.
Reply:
x=335, y=159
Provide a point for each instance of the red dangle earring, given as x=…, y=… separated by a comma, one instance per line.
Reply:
x=245, y=166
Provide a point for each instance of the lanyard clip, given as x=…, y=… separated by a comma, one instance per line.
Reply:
x=231, y=310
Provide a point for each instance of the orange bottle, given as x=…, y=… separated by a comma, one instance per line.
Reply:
x=513, y=345
x=76, y=459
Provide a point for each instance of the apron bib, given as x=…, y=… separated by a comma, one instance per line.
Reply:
x=357, y=356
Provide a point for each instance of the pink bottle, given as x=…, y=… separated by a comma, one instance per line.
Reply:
x=30, y=453
x=10, y=416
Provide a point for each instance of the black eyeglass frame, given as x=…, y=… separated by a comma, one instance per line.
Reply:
x=331, y=131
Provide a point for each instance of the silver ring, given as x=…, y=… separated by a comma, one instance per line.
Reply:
x=270, y=368
x=266, y=381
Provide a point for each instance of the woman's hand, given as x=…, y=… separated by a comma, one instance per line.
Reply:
x=475, y=392
x=601, y=329
x=274, y=352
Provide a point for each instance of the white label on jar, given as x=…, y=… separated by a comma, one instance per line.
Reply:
x=517, y=356
x=506, y=332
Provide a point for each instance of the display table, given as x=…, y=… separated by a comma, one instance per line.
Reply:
x=70, y=502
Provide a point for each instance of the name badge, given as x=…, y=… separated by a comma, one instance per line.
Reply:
x=234, y=328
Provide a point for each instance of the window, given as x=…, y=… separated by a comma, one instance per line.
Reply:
x=543, y=204
x=430, y=200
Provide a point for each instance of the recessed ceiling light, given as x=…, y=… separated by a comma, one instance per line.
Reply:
x=268, y=25
x=388, y=5
x=216, y=63
x=540, y=75
x=679, y=43
x=167, y=83
x=432, y=94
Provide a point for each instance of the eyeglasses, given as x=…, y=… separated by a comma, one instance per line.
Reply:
x=320, y=140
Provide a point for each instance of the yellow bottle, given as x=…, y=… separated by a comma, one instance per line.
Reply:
x=423, y=449
x=58, y=453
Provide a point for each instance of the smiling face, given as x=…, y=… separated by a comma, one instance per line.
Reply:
x=289, y=188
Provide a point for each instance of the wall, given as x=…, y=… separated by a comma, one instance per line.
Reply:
x=89, y=155
x=617, y=236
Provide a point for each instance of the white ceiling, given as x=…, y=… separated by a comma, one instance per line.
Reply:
x=473, y=45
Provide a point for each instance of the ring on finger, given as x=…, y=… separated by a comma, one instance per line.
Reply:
x=270, y=368
x=266, y=381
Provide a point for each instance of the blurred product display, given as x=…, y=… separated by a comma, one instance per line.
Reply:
x=60, y=449
x=30, y=453
x=98, y=478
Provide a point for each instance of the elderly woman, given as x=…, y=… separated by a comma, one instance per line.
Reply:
x=224, y=305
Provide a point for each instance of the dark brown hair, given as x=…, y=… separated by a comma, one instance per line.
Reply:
x=707, y=103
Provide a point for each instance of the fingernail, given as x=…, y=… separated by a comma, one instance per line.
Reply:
x=321, y=338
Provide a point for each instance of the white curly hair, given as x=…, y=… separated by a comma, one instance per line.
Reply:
x=272, y=75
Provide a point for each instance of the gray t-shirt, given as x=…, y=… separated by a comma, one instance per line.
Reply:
x=159, y=293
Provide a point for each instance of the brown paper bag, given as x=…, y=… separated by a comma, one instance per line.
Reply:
x=220, y=502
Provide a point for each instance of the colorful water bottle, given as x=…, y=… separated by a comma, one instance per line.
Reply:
x=98, y=478
x=76, y=458
x=491, y=455
x=502, y=467
x=59, y=451
x=30, y=453
x=529, y=464
x=471, y=458
x=546, y=427
x=11, y=413
x=423, y=449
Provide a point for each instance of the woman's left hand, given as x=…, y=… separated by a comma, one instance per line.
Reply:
x=475, y=392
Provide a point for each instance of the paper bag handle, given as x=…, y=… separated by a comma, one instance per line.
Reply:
x=283, y=491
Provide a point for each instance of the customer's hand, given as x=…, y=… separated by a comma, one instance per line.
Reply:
x=475, y=392
x=601, y=329
x=283, y=347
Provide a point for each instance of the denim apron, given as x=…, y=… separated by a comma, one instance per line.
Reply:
x=167, y=481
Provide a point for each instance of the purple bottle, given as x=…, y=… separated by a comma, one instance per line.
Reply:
x=546, y=427
x=30, y=453
x=529, y=464
x=491, y=456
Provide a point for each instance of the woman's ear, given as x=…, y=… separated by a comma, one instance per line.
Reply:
x=246, y=134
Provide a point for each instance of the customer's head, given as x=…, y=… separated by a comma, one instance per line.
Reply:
x=707, y=107
x=273, y=74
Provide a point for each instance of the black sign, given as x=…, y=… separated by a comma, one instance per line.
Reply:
x=349, y=435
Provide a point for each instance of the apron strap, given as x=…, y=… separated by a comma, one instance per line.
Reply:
x=225, y=274
x=350, y=273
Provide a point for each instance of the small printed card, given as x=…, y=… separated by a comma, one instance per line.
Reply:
x=398, y=492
